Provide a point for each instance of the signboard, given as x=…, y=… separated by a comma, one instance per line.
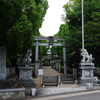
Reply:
x=40, y=72
x=50, y=40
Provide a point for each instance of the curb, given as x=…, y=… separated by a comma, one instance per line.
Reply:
x=40, y=96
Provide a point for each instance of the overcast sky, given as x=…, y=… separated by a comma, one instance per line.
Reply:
x=52, y=19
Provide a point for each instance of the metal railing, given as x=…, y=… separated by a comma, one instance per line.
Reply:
x=69, y=78
x=50, y=80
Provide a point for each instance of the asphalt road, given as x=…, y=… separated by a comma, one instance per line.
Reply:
x=88, y=95
x=95, y=96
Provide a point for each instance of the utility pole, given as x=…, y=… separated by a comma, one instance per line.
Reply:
x=82, y=27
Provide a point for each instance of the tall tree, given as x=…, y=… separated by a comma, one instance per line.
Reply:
x=73, y=28
x=17, y=33
x=20, y=37
x=10, y=11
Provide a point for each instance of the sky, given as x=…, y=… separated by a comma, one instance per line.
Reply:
x=52, y=19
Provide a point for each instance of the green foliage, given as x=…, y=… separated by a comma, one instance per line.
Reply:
x=20, y=37
x=92, y=35
x=43, y=49
x=10, y=11
x=72, y=29
x=20, y=21
x=69, y=70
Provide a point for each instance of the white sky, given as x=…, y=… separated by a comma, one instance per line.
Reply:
x=52, y=19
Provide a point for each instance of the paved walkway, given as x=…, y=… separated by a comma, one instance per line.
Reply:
x=50, y=71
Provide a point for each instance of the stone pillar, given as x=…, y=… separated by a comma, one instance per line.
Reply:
x=75, y=73
x=59, y=66
x=64, y=59
x=2, y=63
x=52, y=64
x=56, y=65
x=36, y=57
x=40, y=64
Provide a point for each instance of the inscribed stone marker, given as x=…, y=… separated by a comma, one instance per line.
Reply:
x=2, y=63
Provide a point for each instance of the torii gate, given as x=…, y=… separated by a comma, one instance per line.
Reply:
x=50, y=39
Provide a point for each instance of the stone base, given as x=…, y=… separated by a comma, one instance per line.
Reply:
x=84, y=81
x=25, y=77
x=89, y=85
x=26, y=83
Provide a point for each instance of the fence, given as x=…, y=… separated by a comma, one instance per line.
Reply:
x=50, y=80
x=70, y=78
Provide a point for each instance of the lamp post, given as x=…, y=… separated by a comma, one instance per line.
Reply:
x=82, y=27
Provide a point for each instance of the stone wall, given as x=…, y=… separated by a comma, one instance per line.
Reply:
x=10, y=71
x=10, y=94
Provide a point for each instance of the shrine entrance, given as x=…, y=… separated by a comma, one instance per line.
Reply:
x=50, y=40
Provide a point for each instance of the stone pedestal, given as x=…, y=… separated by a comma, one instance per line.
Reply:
x=75, y=73
x=57, y=65
x=87, y=74
x=54, y=64
x=25, y=77
x=89, y=85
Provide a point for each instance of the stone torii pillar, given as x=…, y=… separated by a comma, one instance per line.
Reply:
x=51, y=39
x=36, y=57
x=59, y=65
x=64, y=59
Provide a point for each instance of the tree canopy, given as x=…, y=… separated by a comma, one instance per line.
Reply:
x=20, y=21
x=72, y=29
